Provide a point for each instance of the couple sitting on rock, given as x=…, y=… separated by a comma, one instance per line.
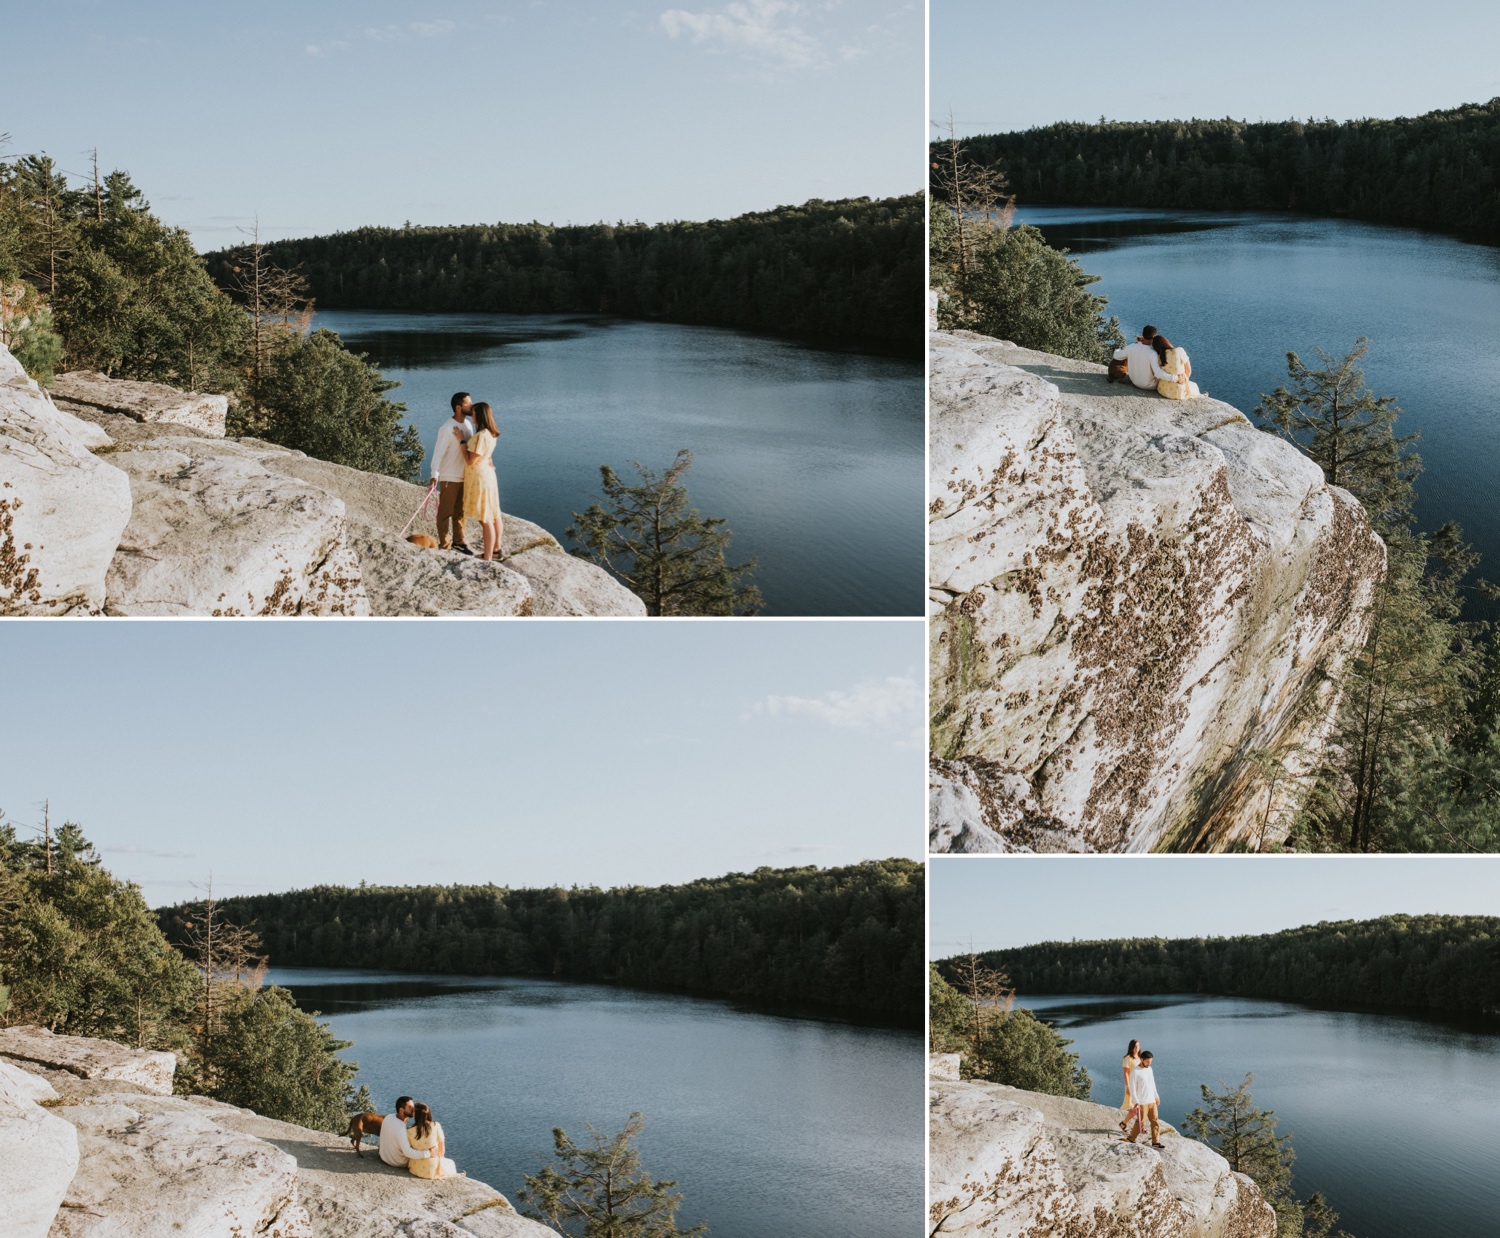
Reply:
x=420, y=1152
x=1152, y=361
x=1141, y=1097
x=463, y=470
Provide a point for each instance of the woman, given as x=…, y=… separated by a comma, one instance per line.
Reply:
x=1175, y=361
x=481, y=490
x=427, y=1135
x=1132, y=1060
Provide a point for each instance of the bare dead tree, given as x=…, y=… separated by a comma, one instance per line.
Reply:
x=274, y=297
x=977, y=194
x=988, y=992
x=229, y=957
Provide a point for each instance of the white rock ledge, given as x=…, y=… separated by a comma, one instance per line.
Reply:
x=1133, y=602
x=93, y=1154
x=125, y=498
x=1005, y=1163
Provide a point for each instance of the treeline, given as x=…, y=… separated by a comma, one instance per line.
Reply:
x=843, y=938
x=847, y=272
x=1437, y=170
x=1441, y=964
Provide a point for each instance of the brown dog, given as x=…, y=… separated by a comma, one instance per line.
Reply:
x=425, y=540
x=360, y=1125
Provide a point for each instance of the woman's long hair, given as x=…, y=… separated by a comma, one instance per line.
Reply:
x=422, y=1123
x=484, y=419
x=1131, y=1050
x=1161, y=343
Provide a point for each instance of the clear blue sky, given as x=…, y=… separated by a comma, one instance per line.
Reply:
x=1019, y=901
x=280, y=755
x=335, y=114
x=1011, y=66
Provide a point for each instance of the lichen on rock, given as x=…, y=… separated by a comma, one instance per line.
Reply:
x=1133, y=603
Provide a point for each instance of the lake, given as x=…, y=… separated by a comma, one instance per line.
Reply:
x=1238, y=290
x=814, y=458
x=1392, y=1117
x=771, y=1124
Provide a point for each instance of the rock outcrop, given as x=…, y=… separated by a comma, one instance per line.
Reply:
x=93, y=1154
x=41, y=1155
x=1011, y=1164
x=1139, y=608
x=126, y=498
x=62, y=509
x=150, y=1070
x=84, y=391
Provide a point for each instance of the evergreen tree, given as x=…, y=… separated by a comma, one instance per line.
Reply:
x=599, y=1190
x=1021, y=289
x=1348, y=431
x=665, y=552
x=278, y=1060
x=28, y=331
x=1000, y=1044
x=1246, y=1137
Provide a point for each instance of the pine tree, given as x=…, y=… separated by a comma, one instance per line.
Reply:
x=1246, y=1137
x=601, y=1191
x=1349, y=431
x=669, y=555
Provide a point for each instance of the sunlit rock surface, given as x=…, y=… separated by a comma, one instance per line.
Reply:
x=1137, y=605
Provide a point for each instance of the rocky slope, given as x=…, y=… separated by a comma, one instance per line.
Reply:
x=1011, y=1164
x=125, y=498
x=1137, y=606
x=97, y=1149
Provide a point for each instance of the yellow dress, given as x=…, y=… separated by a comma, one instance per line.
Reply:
x=1174, y=363
x=1130, y=1063
x=481, y=490
x=428, y=1167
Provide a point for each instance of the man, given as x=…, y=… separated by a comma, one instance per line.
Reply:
x=1142, y=1091
x=395, y=1147
x=1138, y=363
x=448, y=473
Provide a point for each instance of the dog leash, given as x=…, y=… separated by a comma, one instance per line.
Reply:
x=426, y=498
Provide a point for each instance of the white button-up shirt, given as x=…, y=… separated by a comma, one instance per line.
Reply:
x=1142, y=364
x=395, y=1147
x=447, y=455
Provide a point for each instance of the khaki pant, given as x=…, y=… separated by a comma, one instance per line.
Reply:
x=1148, y=1112
x=450, y=515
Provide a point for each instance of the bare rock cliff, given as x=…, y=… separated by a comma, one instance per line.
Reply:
x=125, y=498
x=100, y=1149
x=1011, y=1164
x=1134, y=603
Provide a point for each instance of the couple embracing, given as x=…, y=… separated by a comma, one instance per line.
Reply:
x=1141, y=1097
x=420, y=1149
x=1153, y=361
x=463, y=470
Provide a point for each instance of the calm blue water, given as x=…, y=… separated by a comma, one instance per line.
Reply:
x=814, y=458
x=771, y=1125
x=1392, y=1118
x=1240, y=290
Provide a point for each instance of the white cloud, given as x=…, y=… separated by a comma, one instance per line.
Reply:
x=764, y=30
x=417, y=29
x=890, y=702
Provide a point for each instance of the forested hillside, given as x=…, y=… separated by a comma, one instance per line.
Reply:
x=1448, y=964
x=846, y=938
x=848, y=272
x=1437, y=170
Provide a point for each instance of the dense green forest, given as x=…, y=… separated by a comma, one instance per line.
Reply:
x=1438, y=170
x=91, y=278
x=1441, y=964
x=846, y=272
x=82, y=955
x=846, y=938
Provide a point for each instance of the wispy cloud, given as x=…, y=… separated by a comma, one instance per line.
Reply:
x=412, y=30
x=877, y=704
x=762, y=30
x=132, y=849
